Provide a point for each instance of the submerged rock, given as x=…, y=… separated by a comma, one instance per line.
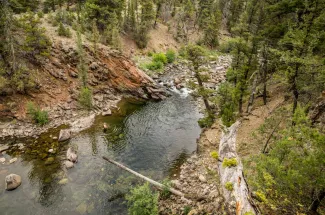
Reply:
x=63, y=181
x=65, y=134
x=49, y=161
x=2, y=160
x=12, y=181
x=68, y=164
x=72, y=155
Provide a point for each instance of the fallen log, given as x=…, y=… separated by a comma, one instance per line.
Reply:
x=155, y=183
x=238, y=199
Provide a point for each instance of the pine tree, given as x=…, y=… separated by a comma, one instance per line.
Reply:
x=95, y=37
x=36, y=43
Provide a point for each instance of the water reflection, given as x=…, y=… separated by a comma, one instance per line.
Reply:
x=153, y=139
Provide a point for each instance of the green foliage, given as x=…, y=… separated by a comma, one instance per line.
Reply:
x=229, y=186
x=141, y=200
x=36, y=43
x=249, y=213
x=160, y=57
x=40, y=14
x=291, y=168
x=85, y=98
x=155, y=66
x=165, y=193
x=64, y=31
x=228, y=102
x=232, y=162
x=214, y=155
x=207, y=121
x=187, y=209
x=170, y=55
x=39, y=116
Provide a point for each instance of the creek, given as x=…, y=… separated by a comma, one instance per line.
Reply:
x=151, y=138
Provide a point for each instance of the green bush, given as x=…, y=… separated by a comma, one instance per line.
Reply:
x=160, y=57
x=215, y=155
x=39, y=116
x=155, y=66
x=207, y=121
x=229, y=186
x=85, y=98
x=171, y=56
x=229, y=162
x=142, y=201
x=40, y=14
x=64, y=31
x=165, y=194
x=187, y=209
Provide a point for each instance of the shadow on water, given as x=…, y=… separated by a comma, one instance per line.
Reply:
x=153, y=139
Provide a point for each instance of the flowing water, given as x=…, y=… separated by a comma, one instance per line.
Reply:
x=152, y=138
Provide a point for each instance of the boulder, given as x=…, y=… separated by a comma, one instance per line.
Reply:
x=13, y=160
x=2, y=160
x=12, y=181
x=72, y=155
x=107, y=113
x=202, y=178
x=177, y=81
x=65, y=134
x=68, y=164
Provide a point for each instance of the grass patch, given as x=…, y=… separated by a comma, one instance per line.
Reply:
x=39, y=116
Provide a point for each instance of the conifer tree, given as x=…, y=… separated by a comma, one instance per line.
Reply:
x=95, y=37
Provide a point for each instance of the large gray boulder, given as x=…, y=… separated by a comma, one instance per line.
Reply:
x=12, y=181
x=65, y=134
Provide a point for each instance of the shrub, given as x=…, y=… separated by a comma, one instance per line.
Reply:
x=85, y=98
x=171, y=56
x=229, y=162
x=187, y=209
x=154, y=66
x=64, y=31
x=207, y=121
x=141, y=200
x=249, y=213
x=215, y=155
x=165, y=194
x=160, y=57
x=40, y=14
x=229, y=186
x=39, y=116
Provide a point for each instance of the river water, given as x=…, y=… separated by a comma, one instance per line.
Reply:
x=153, y=139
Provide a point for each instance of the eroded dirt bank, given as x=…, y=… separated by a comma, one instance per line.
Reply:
x=111, y=76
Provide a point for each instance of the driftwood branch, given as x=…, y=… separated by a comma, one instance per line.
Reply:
x=155, y=183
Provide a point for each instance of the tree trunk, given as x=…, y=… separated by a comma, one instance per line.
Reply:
x=252, y=97
x=205, y=99
x=239, y=200
x=155, y=183
x=315, y=204
x=157, y=14
x=295, y=90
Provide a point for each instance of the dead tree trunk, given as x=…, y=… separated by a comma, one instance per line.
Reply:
x=239, y=200
x=155, y=183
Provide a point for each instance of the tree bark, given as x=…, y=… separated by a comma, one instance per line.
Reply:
x=239, y=200
x=205, y=99
x=315, y=204
x=252, y=97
